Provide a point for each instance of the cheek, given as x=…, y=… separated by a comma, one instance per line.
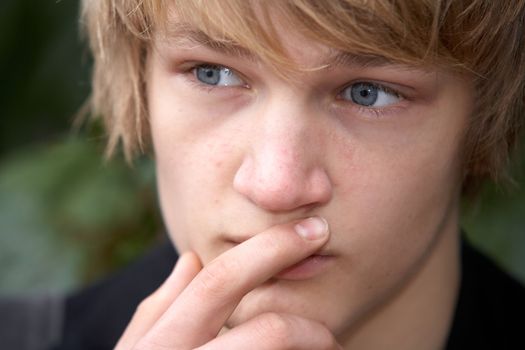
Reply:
x=398, y=202
x=193, y=169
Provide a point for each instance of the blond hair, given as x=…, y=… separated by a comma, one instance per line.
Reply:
x=482, y=38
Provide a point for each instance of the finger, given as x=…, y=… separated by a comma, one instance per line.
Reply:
x=273, y=331
x=215, y=292
x=152, y=308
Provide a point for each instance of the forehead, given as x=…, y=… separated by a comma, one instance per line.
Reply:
x=276, y=41
x=274, y=31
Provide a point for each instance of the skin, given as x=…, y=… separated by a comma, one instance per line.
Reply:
x=239, y=166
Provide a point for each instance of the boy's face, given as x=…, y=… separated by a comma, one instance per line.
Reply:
x=374, y=149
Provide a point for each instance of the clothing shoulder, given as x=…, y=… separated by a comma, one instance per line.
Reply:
x=30, y=322
x=96, y=317
x=491, y=307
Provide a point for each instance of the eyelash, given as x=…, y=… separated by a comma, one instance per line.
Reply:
x=373, y=112
x=207, y=87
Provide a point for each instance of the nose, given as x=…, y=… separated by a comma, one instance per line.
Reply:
x=284, y=168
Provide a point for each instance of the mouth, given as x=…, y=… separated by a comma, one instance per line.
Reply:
x=310, y=267
x=307, y=268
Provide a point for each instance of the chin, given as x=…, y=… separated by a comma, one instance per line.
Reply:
x=282, y=297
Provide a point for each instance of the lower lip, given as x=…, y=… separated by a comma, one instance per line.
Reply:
x=307, y=268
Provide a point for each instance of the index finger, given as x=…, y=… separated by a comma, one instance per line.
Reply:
x=204, y=306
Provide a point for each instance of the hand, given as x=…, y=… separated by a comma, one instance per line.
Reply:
x=191, y=307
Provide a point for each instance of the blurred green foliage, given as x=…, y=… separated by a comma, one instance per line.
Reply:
x=495, y=223
x=68, y=217
x=44, y=69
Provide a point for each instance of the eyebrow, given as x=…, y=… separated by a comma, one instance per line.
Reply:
x=185, y=35
x=344, y=58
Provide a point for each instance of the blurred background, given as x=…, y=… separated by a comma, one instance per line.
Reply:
x=67, y=217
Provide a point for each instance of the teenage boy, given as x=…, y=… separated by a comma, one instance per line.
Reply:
x=311, y=157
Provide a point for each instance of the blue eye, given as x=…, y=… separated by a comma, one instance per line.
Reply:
x=217, y=75
x=370, y=95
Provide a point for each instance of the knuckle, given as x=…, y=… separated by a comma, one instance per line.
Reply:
x=287, y=332
x=274, y=328
x=216, y=278
x=325, y=339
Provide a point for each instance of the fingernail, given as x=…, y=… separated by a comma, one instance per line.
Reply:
x=312, y=228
